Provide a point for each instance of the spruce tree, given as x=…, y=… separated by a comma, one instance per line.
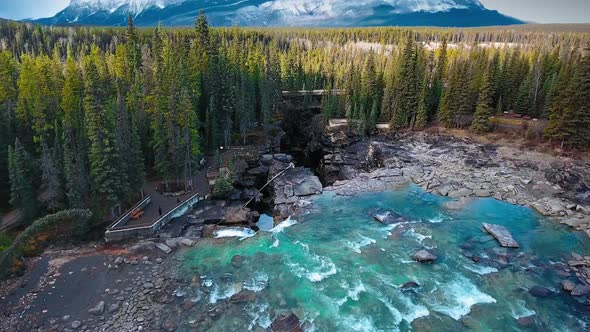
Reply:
x=23, y=196
x=583, y=100
x=406, y=92
x=75, y=152
x=422, y=115
x=202, y=28
x=562, y=107
x=481, y=119
x=100, y=127
x=438, y=79
x=8, y=123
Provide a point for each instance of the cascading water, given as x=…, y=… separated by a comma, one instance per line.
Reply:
x=338, y=269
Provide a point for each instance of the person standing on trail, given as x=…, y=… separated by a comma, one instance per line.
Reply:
x=160, y=210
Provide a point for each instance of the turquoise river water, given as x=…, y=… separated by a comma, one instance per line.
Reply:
x=338, y=269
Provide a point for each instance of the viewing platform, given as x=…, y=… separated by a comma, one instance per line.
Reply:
x=156, y=209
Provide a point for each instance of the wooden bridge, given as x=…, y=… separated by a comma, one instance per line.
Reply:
x=324, y=92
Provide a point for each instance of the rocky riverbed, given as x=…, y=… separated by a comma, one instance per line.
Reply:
x=461, y=169
x=134, y=286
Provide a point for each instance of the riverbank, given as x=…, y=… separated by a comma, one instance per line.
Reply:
x=135, y=286
x=462, y=169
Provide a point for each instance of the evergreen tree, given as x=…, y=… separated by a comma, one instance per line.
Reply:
x=406, y=91
x=202, y=28
x=422, y=115
x=456, y=99
x=100, y=127
x=369, y=83
x=75, y=152
x=483, y=111
x=438, y=79
x=582, y=119
x=52, y=181
x=8, y=99
x=563, y=107
x=22, y=189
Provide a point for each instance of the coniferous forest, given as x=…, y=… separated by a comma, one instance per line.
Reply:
x=88, y=113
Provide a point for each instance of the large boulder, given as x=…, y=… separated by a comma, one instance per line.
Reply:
x=567, y=285
x=257, y=171
x=290, y=190
x=501, y=234
x=526, y=322
x=424, y=256
x=98, y=309
x=236, y=215
x=243, y=296
x=286, y=323
x=310, y=185
x=538, y=291
x=387, y=217
x=212, y=214
x=284, y=158
x=410, y=285
x=581, y=290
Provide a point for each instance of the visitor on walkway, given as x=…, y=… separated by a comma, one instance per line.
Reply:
x=160, y=210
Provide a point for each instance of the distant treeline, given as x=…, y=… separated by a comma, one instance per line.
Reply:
x=88, y=112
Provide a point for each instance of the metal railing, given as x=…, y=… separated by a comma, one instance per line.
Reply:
x=122, y=233
x=145, y=201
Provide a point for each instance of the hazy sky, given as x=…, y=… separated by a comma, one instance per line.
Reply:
x=543, y=11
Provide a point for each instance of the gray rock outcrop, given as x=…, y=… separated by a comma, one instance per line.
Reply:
x=424, y=256
x=502, y=235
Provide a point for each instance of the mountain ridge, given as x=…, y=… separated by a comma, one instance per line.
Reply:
x=306, y=13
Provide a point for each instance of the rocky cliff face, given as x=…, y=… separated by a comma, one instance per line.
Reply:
x=286, y=194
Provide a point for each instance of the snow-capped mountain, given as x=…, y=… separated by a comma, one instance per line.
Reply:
x=133, y=7
x=282, y=12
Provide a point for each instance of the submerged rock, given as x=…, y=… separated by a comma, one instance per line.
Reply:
x=424, y=256
x=286, y=323
x=98, y=309
x=567, y=285
x=502, y=235
x=243, y=296
x=410, y=285
x=237, y=261
x=527, y=321
x=581, y=290
x=538, y=291
x=387, y=217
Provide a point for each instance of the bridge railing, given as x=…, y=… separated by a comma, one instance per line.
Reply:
x=319, y=92
x=127, y=215
x=120, y=233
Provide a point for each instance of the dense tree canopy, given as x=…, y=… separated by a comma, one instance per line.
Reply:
x=96, y=109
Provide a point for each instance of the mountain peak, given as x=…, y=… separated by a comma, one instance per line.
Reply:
x=132, y=6
x=282, y=12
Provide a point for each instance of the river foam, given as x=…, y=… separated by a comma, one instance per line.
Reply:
x=458, y=296
x=239, y=232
